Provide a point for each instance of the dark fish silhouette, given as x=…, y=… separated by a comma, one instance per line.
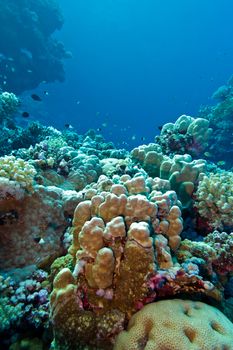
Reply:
x=25, y=114
x=68, y=126
x=36, y=97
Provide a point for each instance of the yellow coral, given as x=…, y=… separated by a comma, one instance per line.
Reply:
x=17, y=170
x=177, y=325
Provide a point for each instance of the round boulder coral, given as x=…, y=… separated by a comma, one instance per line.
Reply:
x=177, y=325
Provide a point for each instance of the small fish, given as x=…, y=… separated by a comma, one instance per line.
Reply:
x=41, y=241
x=36, y=97
x=68, y=126
x=98, y=129
x=143, y=138
x=46, y=93
x=207, y=154
x=104, y=125
x=78, y=102
x=25, y=114
x=221, y=163
x=160, y=127
x=133, y=137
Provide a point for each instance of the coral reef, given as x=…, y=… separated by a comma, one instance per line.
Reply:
x=91, y=234
x=214, y=199
x=16, y=177
x=38, y=220
x=9, y=104
x=24, y=303
x=220, y=117
x=223, y=245
x=30, y=54
x=181, y=171
x=177, y=325
x=186, y=135
x=125, y=238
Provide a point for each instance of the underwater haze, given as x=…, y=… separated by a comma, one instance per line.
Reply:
x=116, y=175
x=139, y=64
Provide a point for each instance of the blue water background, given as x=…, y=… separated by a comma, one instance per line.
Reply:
x=138, y=64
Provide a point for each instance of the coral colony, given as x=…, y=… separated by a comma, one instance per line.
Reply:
x=104, y=248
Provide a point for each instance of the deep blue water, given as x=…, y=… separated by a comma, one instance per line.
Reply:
x=138, y=64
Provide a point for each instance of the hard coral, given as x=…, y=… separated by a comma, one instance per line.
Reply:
x=181, y=171
x=177, y=325
x=214, y=199
x=23, y=303
x=114, y=253
x=222, y=243
x=186, y=135
x=123, y=247
x=9, y=103
x=31, y=227
x=16, y=177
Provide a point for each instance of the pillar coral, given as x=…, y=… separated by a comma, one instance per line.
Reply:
x=123, y=254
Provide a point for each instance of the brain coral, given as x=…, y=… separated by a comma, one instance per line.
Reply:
x=177, y=325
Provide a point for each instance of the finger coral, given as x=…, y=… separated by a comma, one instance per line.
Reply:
x=125, y=236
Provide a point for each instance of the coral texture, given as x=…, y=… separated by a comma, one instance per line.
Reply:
x=214, y=199
x=181, y=171
x=125, y=235
x=186, y=135
x=16, y=177
x=32, y=227
x=177, y=325
x=9, y=104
